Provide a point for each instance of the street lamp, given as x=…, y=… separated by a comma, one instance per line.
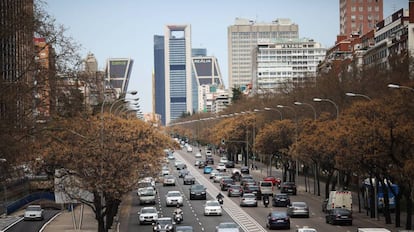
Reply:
x=395, y=86
x=269, y=109
x=328, y=100
x=349, y=94
x=307, y=104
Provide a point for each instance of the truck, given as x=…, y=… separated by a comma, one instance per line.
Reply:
x=339, y=199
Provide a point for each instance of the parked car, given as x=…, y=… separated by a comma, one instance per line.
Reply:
x=207, y=169
x=275, y=180
x=281, y=200
x=225, y=183
x=245, y=170
x=230, y=164
x=278, y=219
x=169, y=180
x=198, y=191
x=147, y=215
x=288, y=187
x=227, y=227
x=212, y=207
x=164, y=224
x=234, y=191
x=189, y=179
x=339, y=216
x=298, y=208
x=248, y=199
x=33, y=212
x=173, y=198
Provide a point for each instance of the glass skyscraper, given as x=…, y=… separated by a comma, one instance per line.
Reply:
x=159, y=77
x=118, y=71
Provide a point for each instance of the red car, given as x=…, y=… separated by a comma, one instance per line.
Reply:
x=275, y=180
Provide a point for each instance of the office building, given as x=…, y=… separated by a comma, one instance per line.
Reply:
x=359, y=16
x=118, y=72
x=159, y=78
x=178, y=73
x=282, y=64
x=242, y=40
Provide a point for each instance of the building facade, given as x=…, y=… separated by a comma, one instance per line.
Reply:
x=359, y=16
x=242, y=39
x=159, y=100
x=281, y=64
x=178, y=73
x=118, y=72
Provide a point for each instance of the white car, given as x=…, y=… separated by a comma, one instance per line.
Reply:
x=198, y=155
x=147, y=215
x=33, y=212
x=307, y=229
x=212, y=207
x=223, y=159
x=227, y=227
x=173, y=198
x=213, y=173
x=169, y=180
x=221, y=167
x=217, y=177
x=189, y=148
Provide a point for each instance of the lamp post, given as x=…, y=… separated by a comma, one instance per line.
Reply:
x=395, y=86
x=270, y=109
x=349, y=94
x=307, y=104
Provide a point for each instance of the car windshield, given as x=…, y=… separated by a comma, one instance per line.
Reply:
x=299, y=204
x=34, y=208
x=278, y=214
x=235, y=187
x=164, y=222
x=253, y=187
x=341, y=211
x=281, y=196
x=148, y=210
x=197, y=187
x=227, y=225
x=212, y=203
x=249, y=195
x=148, y=192
x=174, y=194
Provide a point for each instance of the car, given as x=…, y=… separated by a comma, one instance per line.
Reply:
x=189, y=179
x=182, y=173
x=189, y=149
x=33, y=212
x=221, y=167
x=244, y=170
x=275, y=180
x=213, y=173
x=251, y=188
x=209, y=153
x=181, y=166
x=227, y=227
x=164, y=224
x=223, y=159
x=225, y=183
x=207, y=169
x=184, y=229
x=339, y=216
x=147, y=196
x=209, y=160
x=278, y=219
x=306, y=229
x=234, y=191
x=201, y=164
x=197, y=162
x=281, y=200
x=212, y=207
x=217, y=178
x=298, y=208
x=246, y=178
x=165, y=171
x=288, y=187
x=173, y=198
x=178, y=162
x=248, y=199
x=171, y=156
x=198, y=191
x=197, y=155
x=169, y=180
x=147, y=215
x=230, y=164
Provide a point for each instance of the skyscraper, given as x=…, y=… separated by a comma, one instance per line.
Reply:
x=242, y=39
x=359, y=16
x=159, y=77
x=118, y=71
x=178, y=83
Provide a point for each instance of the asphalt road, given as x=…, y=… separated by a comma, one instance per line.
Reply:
x=32, y=226
x=249, y=218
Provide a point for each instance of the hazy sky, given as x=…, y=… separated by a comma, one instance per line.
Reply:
x=125, y=28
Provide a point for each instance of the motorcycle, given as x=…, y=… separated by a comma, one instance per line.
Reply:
x=265, y=201
x=178, y=218
x=220, y=200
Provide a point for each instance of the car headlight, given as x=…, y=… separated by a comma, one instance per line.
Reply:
x=192, y=192
x=203, y=192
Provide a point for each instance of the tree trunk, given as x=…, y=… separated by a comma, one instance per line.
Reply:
x=386, y=205
x=408, y=225
x=328, y=181
x=318, y=179
x=372, y=196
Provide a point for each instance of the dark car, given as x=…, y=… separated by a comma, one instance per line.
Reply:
x=182, y=173
x=288, y=187
x=251, y=188
x=281, y=200
x=230, y=164
x=209, y=160
x=201, y=164
x=234, y=191
x=189, y=179
x=198, y=191
x=246, y=178
x=278, y=219
x=339, y=216
x=164, y=224
x=244, y=170
x=225, y=183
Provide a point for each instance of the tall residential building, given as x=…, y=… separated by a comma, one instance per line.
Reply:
x=359, y=16
x=242, y=39
x=281, y=64
x=159, y=78
x=118, y=72
x=178, y=78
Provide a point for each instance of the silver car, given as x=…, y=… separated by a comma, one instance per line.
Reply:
x=248, y=199
x=227, y=227
x=299, y=209
x=33, y=212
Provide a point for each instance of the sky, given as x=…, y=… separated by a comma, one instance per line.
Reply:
x=126, y=28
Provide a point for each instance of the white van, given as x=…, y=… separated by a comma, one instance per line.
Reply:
x=340, y=199
x=373, y=230
x=266, y=188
